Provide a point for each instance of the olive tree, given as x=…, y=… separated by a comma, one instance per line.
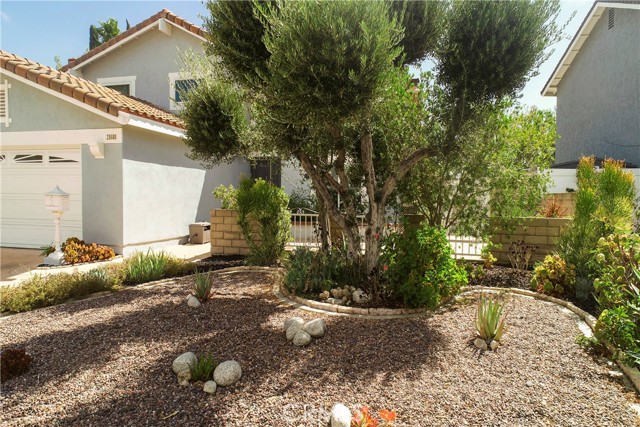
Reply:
x=326, y=85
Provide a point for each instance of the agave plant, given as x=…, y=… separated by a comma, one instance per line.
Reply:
x=490, y=323
x=202, y=287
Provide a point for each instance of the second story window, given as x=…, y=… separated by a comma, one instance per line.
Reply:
x=179, y=85
x=125, y=85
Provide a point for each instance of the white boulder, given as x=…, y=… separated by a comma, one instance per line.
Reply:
x=192, y=301
x=359, y=297
x=301, y=338
x=324, y=295
x=227, y=373
x=340, y=416
x=293, y=321
x=292, y=331
x=210, y=387
x=184, y=362
x=494, y=345
x=316, y=328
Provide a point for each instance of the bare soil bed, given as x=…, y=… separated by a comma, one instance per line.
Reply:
x=107, y=362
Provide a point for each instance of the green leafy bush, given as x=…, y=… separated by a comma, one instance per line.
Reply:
x=554, y=276
x=490, y=324
x=202, y=287
x=42, y=291
x=604, y=205
x=264, y=220
x=617, y=291
x=418, y=266
x=146, y=267
x=228, y=196
x=310, y=272
x=203, y=369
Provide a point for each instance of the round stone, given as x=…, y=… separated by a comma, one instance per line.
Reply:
x=293, y=321
x=210, y=387
x=184, y=362
x=227, y=373
x=193, y=301
x=316, y=328
x=292, y=331
x=480, y=343
x=301, y=339
x=340, y=416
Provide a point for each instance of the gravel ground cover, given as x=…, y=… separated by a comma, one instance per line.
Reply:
x=107, y=362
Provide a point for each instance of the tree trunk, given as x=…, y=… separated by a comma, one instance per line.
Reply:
x=323, y=225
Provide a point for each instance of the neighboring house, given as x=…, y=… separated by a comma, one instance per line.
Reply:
x=597, y=85
x=122, y=159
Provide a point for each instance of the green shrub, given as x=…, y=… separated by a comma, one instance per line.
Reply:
x=146, y=267
x=418, y=266
x=617, y=291
x=554, y=276
x=490, y=324
x=228, y=196
x=604, y=205
x=203, y=369
x=42, y=291
x=310, y=272
x=202, y=287
x=264, y=220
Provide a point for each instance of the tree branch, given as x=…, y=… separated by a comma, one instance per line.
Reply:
x=403, y=168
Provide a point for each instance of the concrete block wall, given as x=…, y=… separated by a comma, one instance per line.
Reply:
x=566, y=200
x=226, y=237
x=540, y=232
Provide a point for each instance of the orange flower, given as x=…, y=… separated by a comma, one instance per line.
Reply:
x=387, y=415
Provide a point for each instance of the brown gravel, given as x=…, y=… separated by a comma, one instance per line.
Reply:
x=107, y=362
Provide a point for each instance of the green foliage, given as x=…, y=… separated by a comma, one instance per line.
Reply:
x=604, y=205
x=490, y=324
x=422, y=22
x=146, y=267
x=202, y=287
x=617, y=291
x=311, y=272
x=418, y=266
x=203, y=369
x=491, y=178
x=301, y=200
x=47, y=250
x=484, y=59
x=42, y=291
x=102, y=33
x=264, y=220
x=554, y=276
x=520, y=254
x=14, y=362
x=227, y=195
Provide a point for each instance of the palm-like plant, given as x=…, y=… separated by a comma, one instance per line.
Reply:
x=490, y=323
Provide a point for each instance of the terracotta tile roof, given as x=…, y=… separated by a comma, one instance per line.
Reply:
x=102, y=98
x=163, y=14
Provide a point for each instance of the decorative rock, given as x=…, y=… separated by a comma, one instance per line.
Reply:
x=494, y=345
x=227, y=373
x=529, y=384
x=324, y=295
x=340, y=416
x=315, y=328
x=336, y=293
x=184, y=362
x=301, y=339
x=480, y=343
x=184, y=377
x=334, y=301
x=193, y=301
x=293, y=330
x=210, y=387
x=293, y=321
x=359, y=297
x=345, y=300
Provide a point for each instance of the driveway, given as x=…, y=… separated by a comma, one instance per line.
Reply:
x=15, y=261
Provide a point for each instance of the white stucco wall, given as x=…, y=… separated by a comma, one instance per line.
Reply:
x=292, y=178
x=598, y=99
x=150, y=57
x=566, y=178
x=164, y=191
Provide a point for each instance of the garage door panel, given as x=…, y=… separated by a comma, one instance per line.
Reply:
x=25, y=223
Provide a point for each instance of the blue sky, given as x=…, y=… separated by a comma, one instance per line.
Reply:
x=40, y=30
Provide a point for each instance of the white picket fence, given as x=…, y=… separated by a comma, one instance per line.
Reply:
x=305, y=232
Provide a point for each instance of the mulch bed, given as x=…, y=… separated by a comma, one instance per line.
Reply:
x=107, y=362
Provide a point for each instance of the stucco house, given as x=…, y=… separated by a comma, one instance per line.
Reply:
x=121, y=158
x=597, y=87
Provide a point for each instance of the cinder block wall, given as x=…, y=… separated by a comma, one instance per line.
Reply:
x=540, y=232
x=226, y=237
x=566, y=200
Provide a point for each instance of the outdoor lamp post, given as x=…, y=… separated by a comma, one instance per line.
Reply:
x=56, y=201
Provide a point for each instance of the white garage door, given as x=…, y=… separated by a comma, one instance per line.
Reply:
x=25, y=176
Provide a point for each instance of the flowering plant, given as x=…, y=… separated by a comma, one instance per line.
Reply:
x=363, y=418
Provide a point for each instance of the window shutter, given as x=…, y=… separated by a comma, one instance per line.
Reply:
x=4, y=103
